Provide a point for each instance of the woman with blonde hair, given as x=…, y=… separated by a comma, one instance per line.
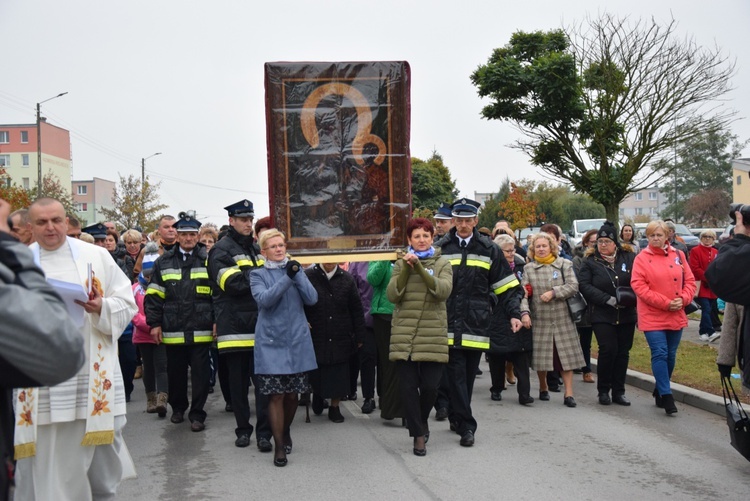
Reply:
x=663, y=284
x=549, y=280
x=284, y=352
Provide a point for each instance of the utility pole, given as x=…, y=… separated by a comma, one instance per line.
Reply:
x=39, y=142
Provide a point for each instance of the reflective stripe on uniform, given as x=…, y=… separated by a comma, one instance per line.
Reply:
x=235, y=341
x=471, y=260
x=470, y=341
x=225, y=273
x=157, y=289
x=179, y=337
x=171, y=274
x=198, y=273
x=506, y=283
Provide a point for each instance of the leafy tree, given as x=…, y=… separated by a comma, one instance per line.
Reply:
x=53, y=188
x=491, y=210
x=703, y=164
x=599, y=104
x=708, y=208
x=17, y=197
x=135, y=204
x=520, y=208
x=431, y=183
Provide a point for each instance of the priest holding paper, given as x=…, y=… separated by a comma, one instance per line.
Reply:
x=68, y=437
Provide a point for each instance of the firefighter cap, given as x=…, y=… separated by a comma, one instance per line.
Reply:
x=243, y=208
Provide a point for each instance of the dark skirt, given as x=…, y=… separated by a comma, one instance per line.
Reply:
x=277, y=384
x=331, y=381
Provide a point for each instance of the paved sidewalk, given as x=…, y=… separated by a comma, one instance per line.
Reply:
x=684, y=394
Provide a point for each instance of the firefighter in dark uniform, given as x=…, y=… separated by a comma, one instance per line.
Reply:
x=179, y=311
x=230, y=262
x=481, y=279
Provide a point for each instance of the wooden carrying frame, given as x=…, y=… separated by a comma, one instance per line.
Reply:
x=338, y=156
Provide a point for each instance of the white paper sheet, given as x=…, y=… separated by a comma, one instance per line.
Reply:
x=71, y=292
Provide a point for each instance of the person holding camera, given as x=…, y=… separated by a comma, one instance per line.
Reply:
x=284, y=353
x=727, y=277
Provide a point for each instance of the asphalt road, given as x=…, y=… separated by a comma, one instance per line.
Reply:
x=543, y=451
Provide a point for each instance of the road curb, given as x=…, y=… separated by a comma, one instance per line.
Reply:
x=686, y=395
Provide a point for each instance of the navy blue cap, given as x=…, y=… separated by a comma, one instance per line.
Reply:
x=443, y=211
x=243, y=208
x=187, y=223
x=465, y=208
x=97, y=230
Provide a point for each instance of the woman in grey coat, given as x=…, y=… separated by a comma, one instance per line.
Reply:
x=283, y=347
x=549, y=280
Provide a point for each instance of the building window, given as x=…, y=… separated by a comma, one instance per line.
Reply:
x=739, y=179
x=24, y=136
x=638, y=211
x=82, y=207
x=25, y=160
x=25, y=182
x=4, y=160
x=82, y=189
x=652, y=210
x=639, y=196
x=4, y=137
x=652, y=195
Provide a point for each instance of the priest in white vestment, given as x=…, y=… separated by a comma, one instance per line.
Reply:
x=68, y=439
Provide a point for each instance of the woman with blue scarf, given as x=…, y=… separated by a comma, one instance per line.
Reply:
x=284, y=352
x=419, y=287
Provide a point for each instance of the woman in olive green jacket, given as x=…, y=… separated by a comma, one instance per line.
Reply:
x=419, y=286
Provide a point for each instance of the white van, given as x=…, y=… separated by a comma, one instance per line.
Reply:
x=581, y=226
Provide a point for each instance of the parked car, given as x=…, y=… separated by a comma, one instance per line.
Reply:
x=680, y=230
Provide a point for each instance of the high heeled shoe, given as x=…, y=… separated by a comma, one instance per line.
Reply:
x=419, y=452
x=281, y=462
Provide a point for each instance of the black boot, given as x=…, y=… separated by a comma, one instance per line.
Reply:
x=669, y=406
x=657, y=399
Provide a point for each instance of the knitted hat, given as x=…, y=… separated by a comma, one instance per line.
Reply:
x=150, y=254
x=608, y=231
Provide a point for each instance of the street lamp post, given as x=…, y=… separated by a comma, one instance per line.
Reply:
x=39, y=142
x=143, y=186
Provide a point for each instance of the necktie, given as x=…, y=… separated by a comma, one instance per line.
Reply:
x=463, y=244
x=185, y=256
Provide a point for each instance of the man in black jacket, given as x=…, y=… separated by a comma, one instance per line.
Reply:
x=179, y=311
x=481, y=279
x=230, y=262
x=39, y=344
x=729, y=279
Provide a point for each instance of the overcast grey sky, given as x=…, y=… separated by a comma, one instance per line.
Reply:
x=185, y=78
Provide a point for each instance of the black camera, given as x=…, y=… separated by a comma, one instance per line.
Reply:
x=743, y=209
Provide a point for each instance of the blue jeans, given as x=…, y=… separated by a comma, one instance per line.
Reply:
x=663, y=345
x=706, y=326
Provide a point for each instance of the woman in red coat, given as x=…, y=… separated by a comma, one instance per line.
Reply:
x=700, y=257
x=664, y=285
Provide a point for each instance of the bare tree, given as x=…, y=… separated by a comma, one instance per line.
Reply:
x=135, y=204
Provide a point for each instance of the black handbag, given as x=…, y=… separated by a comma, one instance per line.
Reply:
x=576, y=304
x=737, y=419
x=625, y=296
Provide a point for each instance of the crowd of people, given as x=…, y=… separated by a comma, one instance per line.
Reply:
x=191, y=302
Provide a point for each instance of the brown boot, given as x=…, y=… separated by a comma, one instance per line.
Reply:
x=161, y=404
x=151, y=402
x=138, y=372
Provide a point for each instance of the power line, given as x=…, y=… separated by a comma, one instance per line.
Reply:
x=180, y=180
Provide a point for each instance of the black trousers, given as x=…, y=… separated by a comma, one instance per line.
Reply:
x=418, y=382
x=584, y=334
x=126, y=355
x=179, y=357
x=353, y=372
x=223, y=373
x=368, y=360
x=615, y=342
x=521, y=362
x=443, y=399
x=462, y=371
x=390, y=399
x=240, y=368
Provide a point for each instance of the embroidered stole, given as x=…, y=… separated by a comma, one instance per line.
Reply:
x=100, y=419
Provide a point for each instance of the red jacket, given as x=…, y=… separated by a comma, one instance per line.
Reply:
x=659, y=276
x=700, y=257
